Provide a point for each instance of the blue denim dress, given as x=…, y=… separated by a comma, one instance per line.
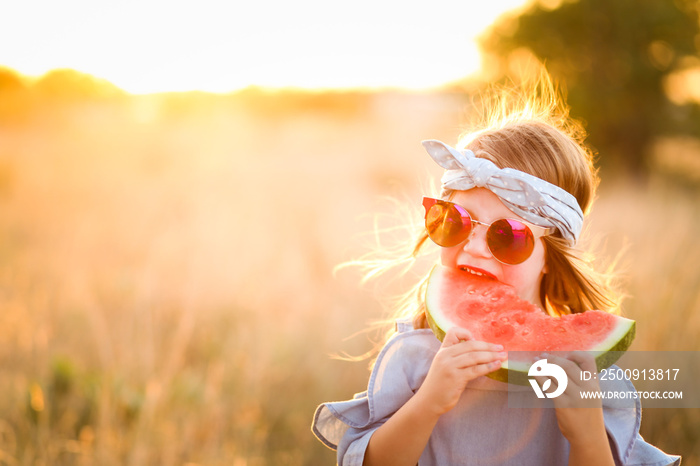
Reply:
x=481, y=430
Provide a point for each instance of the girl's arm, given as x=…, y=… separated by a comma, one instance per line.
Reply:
x=591, y=447
x=402, y=439
x=581, y=420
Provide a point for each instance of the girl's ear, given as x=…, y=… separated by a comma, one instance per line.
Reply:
x=545, y=267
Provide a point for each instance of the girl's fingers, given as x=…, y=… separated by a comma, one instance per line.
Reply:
x=476, y=358
x=572, y=366
x=585, y=361
x=470, y=346
x=456, y=335
x=483, y=369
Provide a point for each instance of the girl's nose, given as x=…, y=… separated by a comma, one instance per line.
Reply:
x=476, y=242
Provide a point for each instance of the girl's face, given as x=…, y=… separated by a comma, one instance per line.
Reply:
x=473, y=253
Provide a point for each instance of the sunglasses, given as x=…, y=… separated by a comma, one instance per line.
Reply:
x=510, y=241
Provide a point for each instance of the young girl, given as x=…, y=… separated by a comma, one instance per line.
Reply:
x=428, y=402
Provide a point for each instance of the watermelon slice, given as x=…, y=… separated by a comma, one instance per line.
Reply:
x=493, y=312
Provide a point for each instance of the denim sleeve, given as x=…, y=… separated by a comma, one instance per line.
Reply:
x=352, y=447
x=622, y=423
x=399, y=371
x=648, y=455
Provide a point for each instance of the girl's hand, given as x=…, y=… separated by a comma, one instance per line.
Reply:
x=459, y=360
x=580, y=419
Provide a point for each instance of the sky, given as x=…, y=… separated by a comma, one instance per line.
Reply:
x=146, y=46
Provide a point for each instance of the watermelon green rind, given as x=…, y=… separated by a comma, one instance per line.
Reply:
x=435, y=327
x=436, y=324
x=515, y=372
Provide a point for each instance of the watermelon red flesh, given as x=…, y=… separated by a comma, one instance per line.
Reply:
x=493, y=312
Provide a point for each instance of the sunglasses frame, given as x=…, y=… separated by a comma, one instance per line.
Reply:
x=536, y=230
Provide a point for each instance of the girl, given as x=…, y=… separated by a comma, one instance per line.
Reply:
x=428, y=402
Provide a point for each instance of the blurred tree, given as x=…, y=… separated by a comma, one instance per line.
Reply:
x=68, y=84
x=14, y=101
x=10, y=81
x=613, y=57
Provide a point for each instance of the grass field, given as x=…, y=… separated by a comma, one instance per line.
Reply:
x=166, y=271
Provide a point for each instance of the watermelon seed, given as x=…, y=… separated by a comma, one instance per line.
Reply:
x=525, y=332
x=504, y=319
x=494, y=299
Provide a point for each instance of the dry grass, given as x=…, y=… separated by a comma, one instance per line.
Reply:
x=166, y=272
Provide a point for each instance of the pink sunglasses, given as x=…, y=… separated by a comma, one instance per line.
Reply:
x=510, y=241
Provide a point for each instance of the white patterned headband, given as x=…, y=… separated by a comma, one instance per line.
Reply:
x=532, y=198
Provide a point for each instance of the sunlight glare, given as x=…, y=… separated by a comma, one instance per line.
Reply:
x=220, y=46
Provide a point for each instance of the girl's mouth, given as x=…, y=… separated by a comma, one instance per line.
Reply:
x=476, y=271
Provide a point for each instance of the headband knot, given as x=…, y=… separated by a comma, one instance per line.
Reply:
x=479, y=171
x=532, y=198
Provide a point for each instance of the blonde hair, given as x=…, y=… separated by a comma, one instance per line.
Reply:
x=528, y=128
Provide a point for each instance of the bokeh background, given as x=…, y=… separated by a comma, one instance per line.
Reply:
x=167, y=284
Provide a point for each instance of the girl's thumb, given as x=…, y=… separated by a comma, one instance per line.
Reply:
x=456, y=335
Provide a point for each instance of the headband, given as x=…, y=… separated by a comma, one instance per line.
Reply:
x=532, y=198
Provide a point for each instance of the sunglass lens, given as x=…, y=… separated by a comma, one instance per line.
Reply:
x=447, y=224
x=510, y=241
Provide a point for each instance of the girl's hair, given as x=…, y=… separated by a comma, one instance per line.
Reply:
x=529, y=129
